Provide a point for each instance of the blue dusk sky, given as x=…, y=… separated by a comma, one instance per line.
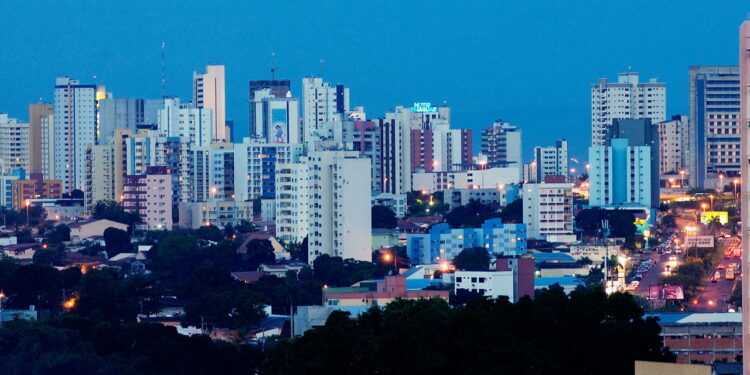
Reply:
x=530, y=63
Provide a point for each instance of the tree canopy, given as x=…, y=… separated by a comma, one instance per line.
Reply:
x=471, y=215
x=383, y=217
x=472, y=259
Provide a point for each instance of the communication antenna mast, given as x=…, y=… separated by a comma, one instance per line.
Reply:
x=163, y=77
x=321, y=67
x=273, y=66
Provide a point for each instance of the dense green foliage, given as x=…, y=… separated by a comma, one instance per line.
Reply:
x=383, y=217
x=472, y=259
x=513, y=212
x=112, y=210
x=586, y=333
x=621, y=222
x=470, y=216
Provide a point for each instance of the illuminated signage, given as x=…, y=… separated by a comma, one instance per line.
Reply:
x=423, y=108
x=709, y=216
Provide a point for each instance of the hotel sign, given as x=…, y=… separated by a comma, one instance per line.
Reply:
x=423, y=108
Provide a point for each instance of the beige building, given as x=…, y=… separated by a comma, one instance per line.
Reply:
x=661, y=368
x=36, y=114
x=216, y=212
x=209, y=92
x=100, y=179
x=83, y=230
x=14, y=144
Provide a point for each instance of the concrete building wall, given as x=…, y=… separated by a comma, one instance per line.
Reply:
x=548, y=209
x=74, y=129
x=36, y=113
x=209, y=92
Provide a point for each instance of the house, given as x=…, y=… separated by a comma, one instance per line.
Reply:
x=87, y=229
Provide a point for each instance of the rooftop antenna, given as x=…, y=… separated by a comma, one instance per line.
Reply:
x=273, y=66
x=163, y=77
x=321, y=68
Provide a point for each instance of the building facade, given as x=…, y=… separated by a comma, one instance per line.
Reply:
x=550, y=161
x=714, y=122
x=501, y=144
x=548, y=209
x=209, y=92
x=118, y=113
x=36, y=187
x=620, y=174
x=14, y=144
x=74, y=129
x=150, y=196
x=627, y=98
x=442, y=242
x=322, y=102
x=36, y=114
x=674, y=145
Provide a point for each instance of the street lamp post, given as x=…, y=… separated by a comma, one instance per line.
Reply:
x=2, y=297
x=735, y=182
x=721, y=183
x=27, y=213
x=682, y=178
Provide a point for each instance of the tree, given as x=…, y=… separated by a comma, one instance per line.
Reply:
x=299, y=251
x=383, y=217
x=258, y=252
x=117, y=241
x=114, y=211
x=59, y=234
x=668, y=221
x=472, y=259
x=470, y=216
x=513, y=212
x=209, y=233
x=50, y=256
x=621, y=222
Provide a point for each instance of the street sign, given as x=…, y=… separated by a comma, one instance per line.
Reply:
x=664, y=292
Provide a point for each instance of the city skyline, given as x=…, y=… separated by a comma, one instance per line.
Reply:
x=405, y=61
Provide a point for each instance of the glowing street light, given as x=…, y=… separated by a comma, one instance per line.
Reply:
x=70, y=304
x=735, y=182
x=682, y=177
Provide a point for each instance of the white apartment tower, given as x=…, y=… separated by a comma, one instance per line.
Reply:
x=548, y=209
x=276, y=119
x=14, y=144
x=209, y=93
x=339, y=205
x=186, y=122
x=628, y=98
x=292, y=201
x=395, y=157
x=674, y=145
x=501, y=143
x=74, y=130
x=321, y=103
x=550, y=161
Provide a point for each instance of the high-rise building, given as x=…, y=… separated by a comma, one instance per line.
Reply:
x=133, y=153
x=100, y=178
x=627, y=98
x=255, y=167
x=641, y=132
x=213, y=172
x=339, y=205
x=714, y=122
x=321, y=103
x=440, y=148
x=744, y=53
x=620, y=175
x=14, y=144
x=36, y=114
x=395, y=156
x=74, y=129
x=6, y=186
x=292, y=201
x=548, y=209
x=150, y=196
x=209, y=93
x=674, y=145
x=276, y=88
x=118, y=114
x=276, y=119
x=501, y=144
x=184, y=120
x=550, y=161
x=47, y=142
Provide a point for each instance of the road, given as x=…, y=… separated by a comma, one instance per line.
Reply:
x=655, y=274
x=714, y=296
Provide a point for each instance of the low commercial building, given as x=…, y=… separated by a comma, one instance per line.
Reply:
x=87, y=229
x=443, y=243
x=216, y=212
x=501, y=195
x=396, y=202
x=431, y=182
x=492, y=284
x=704, y=337
x=34, y=188
x=378, y=293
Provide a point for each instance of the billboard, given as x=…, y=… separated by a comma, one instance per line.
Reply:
x=279, y=127
x=709, y=216
x=665, y=292
x=699, y=241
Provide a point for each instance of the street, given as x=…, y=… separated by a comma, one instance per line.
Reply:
x=714, y=296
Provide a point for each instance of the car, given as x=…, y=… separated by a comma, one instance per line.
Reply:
x=673, y=257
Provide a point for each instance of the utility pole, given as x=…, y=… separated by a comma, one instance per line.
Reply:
x=605, y=234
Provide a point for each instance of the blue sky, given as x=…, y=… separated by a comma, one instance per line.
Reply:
x=528, y=62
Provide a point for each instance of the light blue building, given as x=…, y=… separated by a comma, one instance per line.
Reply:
x=6, y=185
x=620, y=175
x=442, y=242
